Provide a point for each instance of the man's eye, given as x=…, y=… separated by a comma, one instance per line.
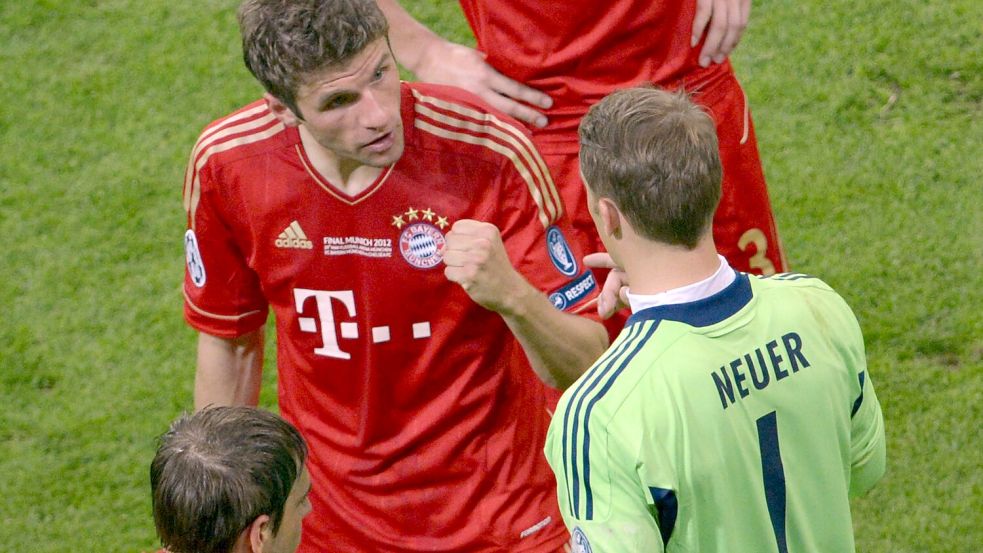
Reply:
x=337, y=101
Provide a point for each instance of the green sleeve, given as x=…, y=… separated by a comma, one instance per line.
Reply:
x=867, y=449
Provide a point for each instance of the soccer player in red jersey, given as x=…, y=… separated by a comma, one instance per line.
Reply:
x=556, y=58
x=404, y=236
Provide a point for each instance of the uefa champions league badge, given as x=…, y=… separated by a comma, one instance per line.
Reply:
x=558, y=300
x=578, y=541
x=196, y=267
x=560, y=253
x=422, y=240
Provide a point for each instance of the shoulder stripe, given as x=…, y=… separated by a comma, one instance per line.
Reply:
x=545, y=217
x=583, y=399
x=231, y=120
x=457, y=122
x=211, y=315
x=192, y=185
x=216, y=131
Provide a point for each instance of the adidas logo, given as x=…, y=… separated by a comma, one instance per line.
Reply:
x=294, y=237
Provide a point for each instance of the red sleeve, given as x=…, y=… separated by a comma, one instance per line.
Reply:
x=534, y=226
x=222, y=295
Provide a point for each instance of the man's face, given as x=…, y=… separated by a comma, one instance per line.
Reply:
x=297, y=507
x=353, y=111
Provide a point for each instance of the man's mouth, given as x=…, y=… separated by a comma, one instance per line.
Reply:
x=380, y=144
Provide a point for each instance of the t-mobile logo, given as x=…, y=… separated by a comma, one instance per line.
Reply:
x=325, y=323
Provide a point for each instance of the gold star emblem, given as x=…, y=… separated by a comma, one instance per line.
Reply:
x=427, y=214
x=398, y=221
x=411, y=214
x=442, y=222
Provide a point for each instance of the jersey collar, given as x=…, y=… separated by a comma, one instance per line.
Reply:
x=704, y=312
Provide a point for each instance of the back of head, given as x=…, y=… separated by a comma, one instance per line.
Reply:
x=285, y=41
x=654, y=153
x=219, y=469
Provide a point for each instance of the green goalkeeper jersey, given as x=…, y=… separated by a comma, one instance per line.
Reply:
x=742, y=422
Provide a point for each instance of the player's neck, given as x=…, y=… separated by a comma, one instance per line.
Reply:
x=348, y=176
x=653, y=268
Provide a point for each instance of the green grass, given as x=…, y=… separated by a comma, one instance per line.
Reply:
x=870, y=123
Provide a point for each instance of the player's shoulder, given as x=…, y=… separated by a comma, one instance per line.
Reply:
x=790, y=282
x=790, y=289
x=448, y=117
x=248, y=131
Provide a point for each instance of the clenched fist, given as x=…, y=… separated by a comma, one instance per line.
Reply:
x=475, y=258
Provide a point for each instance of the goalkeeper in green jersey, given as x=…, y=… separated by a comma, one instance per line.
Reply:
x=733, y=413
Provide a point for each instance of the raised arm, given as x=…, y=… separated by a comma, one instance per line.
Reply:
x=437, y=60
x=229, y=369
x=560, y=346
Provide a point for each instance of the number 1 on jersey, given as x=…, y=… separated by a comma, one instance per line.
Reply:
x=774, y=476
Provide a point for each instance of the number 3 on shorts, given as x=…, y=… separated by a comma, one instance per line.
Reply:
x=759, y=259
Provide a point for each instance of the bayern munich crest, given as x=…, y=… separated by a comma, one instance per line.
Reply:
x=421, y=245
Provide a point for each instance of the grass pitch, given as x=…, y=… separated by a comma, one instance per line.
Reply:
x=870, y=124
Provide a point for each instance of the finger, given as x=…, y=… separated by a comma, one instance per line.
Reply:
x=743, y=17
x=703, y=10
x=519, y=91
x=718, y=29
x=623, y=297
x=607, y=299
x=460, y=275
x=454, y=258
x=514, y=109
x=600, y=260
x=735, y=28
x=469, y=226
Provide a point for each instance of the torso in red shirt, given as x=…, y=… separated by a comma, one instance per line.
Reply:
x=578, y=51
x=425, y=424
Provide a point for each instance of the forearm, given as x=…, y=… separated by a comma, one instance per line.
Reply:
x=229, y=370
x=410, y=39
x=560, y=346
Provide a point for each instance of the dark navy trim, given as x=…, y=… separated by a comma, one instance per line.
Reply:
x=583, y=388
x=588, y=494
x=773, y=473
x=860, y=399
x=705, y=312
x=667, y=507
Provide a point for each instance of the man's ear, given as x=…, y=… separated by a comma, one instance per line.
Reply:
x=281, y=111
x=260, y=531
x=610, y=218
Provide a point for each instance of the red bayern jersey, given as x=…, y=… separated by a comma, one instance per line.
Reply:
x=424, y=421
x=579, y=51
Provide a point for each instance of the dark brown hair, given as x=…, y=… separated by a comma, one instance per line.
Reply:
x=654, y=154
x=219, y=469
x=285, y=41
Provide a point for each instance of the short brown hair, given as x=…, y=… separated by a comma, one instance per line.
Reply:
x=285, y=41
x=654, y=154
x=219, y=469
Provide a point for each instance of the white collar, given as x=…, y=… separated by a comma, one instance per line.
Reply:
x=685, y=294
